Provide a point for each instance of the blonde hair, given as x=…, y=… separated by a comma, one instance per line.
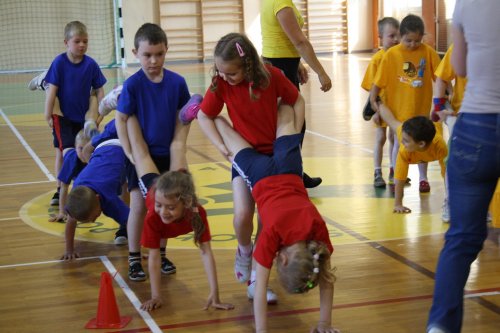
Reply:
x=74, y=28
x=179, y=184
x=308, y=262
x=81, y=201
x=81, y=138
x=237, y=47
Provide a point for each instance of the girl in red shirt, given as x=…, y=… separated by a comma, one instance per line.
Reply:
x=250, y=90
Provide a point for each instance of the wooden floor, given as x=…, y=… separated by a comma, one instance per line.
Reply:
x=385, y=262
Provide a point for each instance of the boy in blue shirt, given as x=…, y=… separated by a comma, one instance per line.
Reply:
x=73, y=164
x=96, y=191
x=153, y=95
x=70, y=78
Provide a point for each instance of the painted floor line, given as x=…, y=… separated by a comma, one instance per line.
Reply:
x=28, y=183
x=342, y=142
x=471, y=294
x=27, y=147
x=153, y=327
x=43, y=262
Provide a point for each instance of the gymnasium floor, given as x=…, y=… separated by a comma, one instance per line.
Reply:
x=385, y=262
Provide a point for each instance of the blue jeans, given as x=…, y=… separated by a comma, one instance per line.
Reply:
x=473, y=171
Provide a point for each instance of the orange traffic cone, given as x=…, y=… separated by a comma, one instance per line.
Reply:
x=108, y=315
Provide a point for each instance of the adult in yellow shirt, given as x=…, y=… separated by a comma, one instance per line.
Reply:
x=283, y=44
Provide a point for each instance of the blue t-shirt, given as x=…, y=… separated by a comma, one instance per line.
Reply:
x=155, y=105
x=103, y=174
x=71, y=167
x=108, y=133
x=74, y=82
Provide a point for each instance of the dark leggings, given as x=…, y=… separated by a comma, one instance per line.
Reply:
x=290, y=67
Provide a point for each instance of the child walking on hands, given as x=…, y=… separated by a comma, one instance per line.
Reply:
x=172, y=210
x=250, y=90
x=293, y=231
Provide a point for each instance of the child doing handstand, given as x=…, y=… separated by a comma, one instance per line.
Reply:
x=293, y=231
x=250, y=90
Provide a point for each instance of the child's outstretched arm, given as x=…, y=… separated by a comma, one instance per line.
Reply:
x=388, y=117
x=325, y=308
x=121, y=129
x=211, y=271
x=50, y=98
x=260, y=299
x=69, y=235
x=63, y=196
x=374, y=92
x=154, y=263
x=399, y=185
x=208, y=127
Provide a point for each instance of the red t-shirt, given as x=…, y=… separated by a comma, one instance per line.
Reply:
x=255, y=120
x=154, y=229
x=288, y=216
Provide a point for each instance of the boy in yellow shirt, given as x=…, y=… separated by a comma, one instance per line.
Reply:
x=388, y=30
x=406, y=73
x=419, y=142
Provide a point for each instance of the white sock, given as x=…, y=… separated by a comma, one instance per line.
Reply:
x=245, y=250
x=253, y=276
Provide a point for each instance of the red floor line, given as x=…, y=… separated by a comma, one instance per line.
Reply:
x=298, y=311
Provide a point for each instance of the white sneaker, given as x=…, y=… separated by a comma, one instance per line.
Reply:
x=445, y=215
x=242, y=266
x=38, y=82
x=110, y=101
x=272, y=298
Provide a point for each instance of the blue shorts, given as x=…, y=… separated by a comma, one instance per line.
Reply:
x=161, y=162
x=253, y=166
x=64, y=131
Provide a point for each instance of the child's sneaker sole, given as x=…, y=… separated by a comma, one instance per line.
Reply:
x=189, y=112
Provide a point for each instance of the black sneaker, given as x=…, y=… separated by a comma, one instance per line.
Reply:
x=167, y=267
x=368, y=111
x=55, y=199
x=121, y=237
x=311, y=182
x=135, y=271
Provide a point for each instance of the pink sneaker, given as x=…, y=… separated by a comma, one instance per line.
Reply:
x=189, y=111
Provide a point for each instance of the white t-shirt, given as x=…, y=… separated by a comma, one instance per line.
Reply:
x=479, y=20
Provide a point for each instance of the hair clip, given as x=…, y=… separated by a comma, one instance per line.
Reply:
x=316, y=270
x=240, y=50
x=316, y=256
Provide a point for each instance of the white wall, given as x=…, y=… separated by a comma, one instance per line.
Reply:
x=136, y=13
x=359, y=25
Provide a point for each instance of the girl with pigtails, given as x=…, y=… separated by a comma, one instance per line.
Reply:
x=293, y=231
x=250, y=90
x=172, y=210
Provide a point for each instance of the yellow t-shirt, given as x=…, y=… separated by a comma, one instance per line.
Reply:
x=437, y=151
x=446, y=73
x=406, y=94
x=370, y=73
x=371, y=70
x=275, y=42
